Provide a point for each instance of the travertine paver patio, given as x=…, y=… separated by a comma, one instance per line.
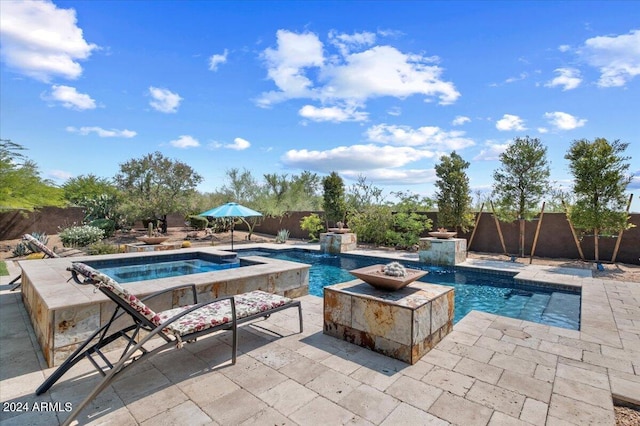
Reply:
x=489, y=370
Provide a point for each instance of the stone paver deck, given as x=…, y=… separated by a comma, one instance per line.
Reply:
x=490, y=370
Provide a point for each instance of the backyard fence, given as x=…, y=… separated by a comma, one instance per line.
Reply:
x=554, y=241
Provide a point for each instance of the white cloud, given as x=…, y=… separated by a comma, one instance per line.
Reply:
x=348, y=42
x=185, y=141
x=103, y=133
x=238, y=144
x=334, y=114
x=616, y=57
x=70, y=98
x=564, y=48
x=395, y=111
x=510, y=122
x=427, y=136
x=564, y=121
x=42, y=41
x=354, y=158
x=543, y=130
x=394, y=176
x=217, y=59
x=568, y=78
x=286, y=65
x=164, y=100
x=491, y=151
x=59, y=174
x=521, y=76
x=460, y=120
x=349, y=77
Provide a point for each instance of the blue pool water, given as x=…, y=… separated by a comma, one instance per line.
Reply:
x=141, y=268
x=127, y=274
x=497, y=294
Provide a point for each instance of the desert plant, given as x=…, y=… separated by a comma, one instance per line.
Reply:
x=186, y=244
x=33, y=256
x=107, y=225
x=197, y=222
x=312, y=224
x=80, y=236
x=283, y=236
x=20, y=250
x=101, y=247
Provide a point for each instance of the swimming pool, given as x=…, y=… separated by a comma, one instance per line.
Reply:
x=493, y=293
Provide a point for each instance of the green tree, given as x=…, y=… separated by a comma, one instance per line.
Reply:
x=409, y=220
x=79, y=188
x=600, y=176
x=335, y=208
x=453, y=196
x=521, y=181
x=21, y=186
x=154, y=186
x=242, y=187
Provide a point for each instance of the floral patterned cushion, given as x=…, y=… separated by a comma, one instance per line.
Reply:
x=208, y=316
x=217, y=313
x=43, y=248
x=101, y=280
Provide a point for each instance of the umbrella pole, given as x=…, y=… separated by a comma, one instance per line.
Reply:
x=232, y=226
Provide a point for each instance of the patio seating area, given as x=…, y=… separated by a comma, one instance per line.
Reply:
x=488, y=370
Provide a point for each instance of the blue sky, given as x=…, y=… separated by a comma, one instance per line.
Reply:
x=376, y=89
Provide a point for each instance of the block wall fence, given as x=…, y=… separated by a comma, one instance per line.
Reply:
x=555, y=239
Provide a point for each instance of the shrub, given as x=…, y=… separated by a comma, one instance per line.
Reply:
x=107, y=225
x=312, y=224
x=80, y=236
x=186, y=244
x=33, y=256
x=101, y=247
x=198, y=222
x=283, y=236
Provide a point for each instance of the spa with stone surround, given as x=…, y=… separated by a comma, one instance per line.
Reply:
x=403, y=324
x=64, y=313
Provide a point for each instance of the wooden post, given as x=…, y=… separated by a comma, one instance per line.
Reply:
x=615, y=250
x=573, y=231
x=504, y=248
x=535, y=238
x=475, y=227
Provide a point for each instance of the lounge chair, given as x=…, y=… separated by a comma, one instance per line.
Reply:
x=41, y=247
x=176, y=326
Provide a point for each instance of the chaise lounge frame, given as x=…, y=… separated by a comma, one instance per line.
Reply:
x=41, y=247
x=174, y=326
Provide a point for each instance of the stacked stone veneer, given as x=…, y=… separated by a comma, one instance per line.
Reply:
x=64, y=314
x=404, y=324
x=139, y=247
x=335, y=243
x=435, y=251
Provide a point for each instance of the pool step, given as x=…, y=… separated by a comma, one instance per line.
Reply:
x=561, y=308
x=535, y=307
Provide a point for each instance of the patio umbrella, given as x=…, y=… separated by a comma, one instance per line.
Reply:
x=232, y=210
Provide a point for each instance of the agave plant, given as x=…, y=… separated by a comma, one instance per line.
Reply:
x=283, y=236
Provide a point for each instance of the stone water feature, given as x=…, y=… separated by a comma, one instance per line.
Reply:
x=338, y=240
x=388, y=313
x=441, y=248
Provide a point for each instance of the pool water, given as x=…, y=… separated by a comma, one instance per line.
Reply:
x=496, y=294
x=132, y=273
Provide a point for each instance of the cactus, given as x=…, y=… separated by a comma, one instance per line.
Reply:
x=394, y=269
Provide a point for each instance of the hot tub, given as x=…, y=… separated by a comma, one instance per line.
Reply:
x=64, y=313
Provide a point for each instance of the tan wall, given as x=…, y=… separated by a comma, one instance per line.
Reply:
x=555, y=238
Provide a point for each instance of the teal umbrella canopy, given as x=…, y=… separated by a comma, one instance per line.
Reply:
x=230, y=210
